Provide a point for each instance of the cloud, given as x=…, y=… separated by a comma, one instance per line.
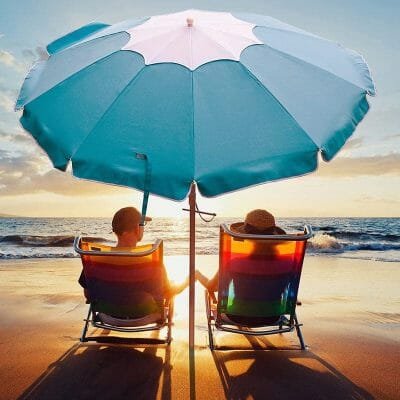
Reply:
x=22, y=174
x=6, y=102
x=25, y=173
x=8, y=59
x=373, y=166
x=394, y=136
x=377, y=200
x=353, y=144
x=16, y=136
x=40, y=53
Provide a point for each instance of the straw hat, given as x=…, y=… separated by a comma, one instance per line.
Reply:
x=257, y=221
x=126, y=219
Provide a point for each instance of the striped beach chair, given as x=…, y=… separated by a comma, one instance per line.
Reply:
x=259, y=277
x=125, y=289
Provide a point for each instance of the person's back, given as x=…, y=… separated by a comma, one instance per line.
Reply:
x=257, y=222
x=128, y=226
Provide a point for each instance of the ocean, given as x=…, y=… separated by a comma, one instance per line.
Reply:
x=364, y=238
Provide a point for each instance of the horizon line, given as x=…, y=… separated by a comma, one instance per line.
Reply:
x=172, y=217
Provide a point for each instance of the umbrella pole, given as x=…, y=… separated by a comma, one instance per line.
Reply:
x=192, y=254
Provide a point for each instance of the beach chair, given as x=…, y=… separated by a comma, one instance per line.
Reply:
x=125, y=289
x=259, y=278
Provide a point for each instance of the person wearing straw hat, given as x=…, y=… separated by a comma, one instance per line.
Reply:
x=128, y=227
x=257, y=222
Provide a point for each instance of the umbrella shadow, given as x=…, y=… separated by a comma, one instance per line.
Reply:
x=282, y=374
x=88, y=371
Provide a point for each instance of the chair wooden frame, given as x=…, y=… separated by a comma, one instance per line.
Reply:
x=93, y=316
x=219, y=322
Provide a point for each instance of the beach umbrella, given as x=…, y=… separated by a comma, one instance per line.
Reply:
x=215, y=99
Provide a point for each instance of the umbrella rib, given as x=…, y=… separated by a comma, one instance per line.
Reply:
x=282, y=106
x=102, y=58
x=211, y=39
x=263, y=182
x=218, y=28
x=299, y=32
x=149, y=38
x=322, y=69
x=155, y=55
x=101, y=34
x=108, y=110
x=89, y=42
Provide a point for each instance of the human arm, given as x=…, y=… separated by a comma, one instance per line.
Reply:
x=210, y=284
x=173, y=289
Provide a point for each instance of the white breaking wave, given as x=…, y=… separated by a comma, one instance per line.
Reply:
x=325, y=243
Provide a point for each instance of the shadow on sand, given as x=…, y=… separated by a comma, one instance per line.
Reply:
x=281, y=374
x=103, y=371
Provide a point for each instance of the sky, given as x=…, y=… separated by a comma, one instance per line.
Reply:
x=362, y=180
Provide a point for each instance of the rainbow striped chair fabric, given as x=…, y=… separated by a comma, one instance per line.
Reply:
x=125, y=288
x=259, y=278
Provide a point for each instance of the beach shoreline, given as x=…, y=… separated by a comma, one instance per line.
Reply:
x=349, y=311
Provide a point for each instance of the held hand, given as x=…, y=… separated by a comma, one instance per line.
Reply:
x=197, y=274
x=201, y=278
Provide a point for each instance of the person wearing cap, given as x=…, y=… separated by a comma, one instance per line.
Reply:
x=128, y=227
x=257, y=222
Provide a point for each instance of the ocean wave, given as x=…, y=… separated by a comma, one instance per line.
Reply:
x=322, y=242
x=19, y=256
x=328, y=243
x=351, y=235
x=26, y=238
x=44, y=241
x=327, y=228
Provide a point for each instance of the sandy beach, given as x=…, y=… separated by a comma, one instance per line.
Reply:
x=350, y=310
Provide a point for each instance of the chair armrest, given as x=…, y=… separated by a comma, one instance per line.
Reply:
x=79, y=250
x=308, y=233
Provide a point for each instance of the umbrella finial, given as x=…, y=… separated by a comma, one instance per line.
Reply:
x=189, y=22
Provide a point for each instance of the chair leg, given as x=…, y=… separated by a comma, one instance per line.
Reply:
x=85, y=327
x=169, y=324
x=209, y=325
x=210, y=334
x=211, y=338
x=299, y=333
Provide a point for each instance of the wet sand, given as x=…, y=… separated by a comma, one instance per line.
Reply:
x=350, y=310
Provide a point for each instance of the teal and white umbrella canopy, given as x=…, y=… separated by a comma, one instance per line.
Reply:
x=225, y=100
